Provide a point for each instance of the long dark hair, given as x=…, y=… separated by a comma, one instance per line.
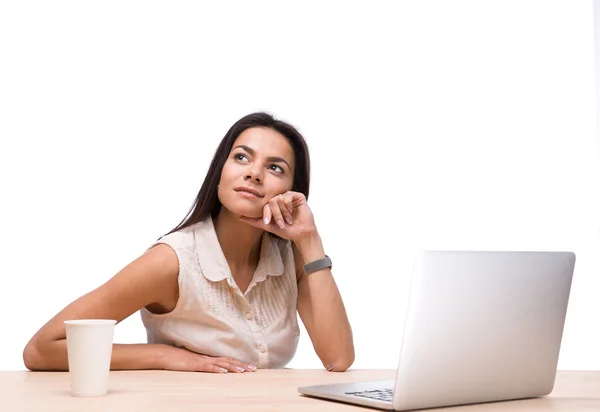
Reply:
x=207, y=201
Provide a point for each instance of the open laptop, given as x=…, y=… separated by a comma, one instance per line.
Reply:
x=480, y=327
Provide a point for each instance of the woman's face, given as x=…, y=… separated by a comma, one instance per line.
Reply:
x=259, y=167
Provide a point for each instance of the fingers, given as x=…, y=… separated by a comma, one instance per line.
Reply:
x=225, y=365
x=280, y=207
x=279, y=210
x=276, y=211
x=289, y=206
x=267, y=215
x=234, y=365
x=212, y=368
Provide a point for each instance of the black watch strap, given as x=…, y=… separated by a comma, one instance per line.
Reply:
x=317, y=265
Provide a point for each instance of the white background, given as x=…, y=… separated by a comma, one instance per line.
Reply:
x=432, y=124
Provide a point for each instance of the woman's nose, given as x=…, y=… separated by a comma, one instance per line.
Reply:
x=253, y=175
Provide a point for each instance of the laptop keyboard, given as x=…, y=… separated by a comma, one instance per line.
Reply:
x=386, y=395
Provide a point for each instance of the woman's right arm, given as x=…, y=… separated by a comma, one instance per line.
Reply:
x=151, y=279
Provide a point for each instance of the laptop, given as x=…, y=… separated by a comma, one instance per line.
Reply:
x=480, y=326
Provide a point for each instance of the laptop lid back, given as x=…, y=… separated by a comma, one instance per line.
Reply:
x=482, y=326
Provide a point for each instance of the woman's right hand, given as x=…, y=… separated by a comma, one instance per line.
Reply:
x=179, y=359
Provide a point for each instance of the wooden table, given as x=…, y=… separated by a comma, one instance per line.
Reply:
x=265, y=390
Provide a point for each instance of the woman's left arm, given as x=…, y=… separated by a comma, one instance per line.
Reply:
x=319, y=302
x=321, y=308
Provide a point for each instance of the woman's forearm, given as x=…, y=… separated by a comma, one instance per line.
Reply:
x=53, y=356
x=332, y=334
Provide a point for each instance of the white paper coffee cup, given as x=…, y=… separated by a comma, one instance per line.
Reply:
x=89, y=348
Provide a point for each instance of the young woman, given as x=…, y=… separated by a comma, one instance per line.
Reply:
x=220, y=292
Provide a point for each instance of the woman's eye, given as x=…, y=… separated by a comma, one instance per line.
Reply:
x=277, y=168
x=240, y=157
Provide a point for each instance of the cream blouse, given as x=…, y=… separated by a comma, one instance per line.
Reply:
x=213, y=317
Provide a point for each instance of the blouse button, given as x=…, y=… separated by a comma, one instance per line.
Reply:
x=248, y=315
x=262, y=348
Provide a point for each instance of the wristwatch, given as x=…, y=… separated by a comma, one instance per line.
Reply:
x=317, y=265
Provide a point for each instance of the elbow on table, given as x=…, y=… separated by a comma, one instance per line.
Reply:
x=29, y=359
x=340, y=364
x=32, y=358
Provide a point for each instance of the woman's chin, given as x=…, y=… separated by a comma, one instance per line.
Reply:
x=252, y=212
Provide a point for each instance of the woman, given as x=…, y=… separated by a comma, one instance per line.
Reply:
x=219, y=293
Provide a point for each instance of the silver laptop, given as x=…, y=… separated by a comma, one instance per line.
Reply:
x=480, y=327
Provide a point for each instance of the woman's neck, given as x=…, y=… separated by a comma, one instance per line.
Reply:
x=239, y=241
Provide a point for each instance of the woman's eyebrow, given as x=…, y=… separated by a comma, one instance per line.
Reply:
x=270, y=158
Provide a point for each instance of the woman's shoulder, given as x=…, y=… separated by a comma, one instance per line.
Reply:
x=181, y=239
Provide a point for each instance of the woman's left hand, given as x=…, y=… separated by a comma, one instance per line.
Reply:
x=286, y=215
